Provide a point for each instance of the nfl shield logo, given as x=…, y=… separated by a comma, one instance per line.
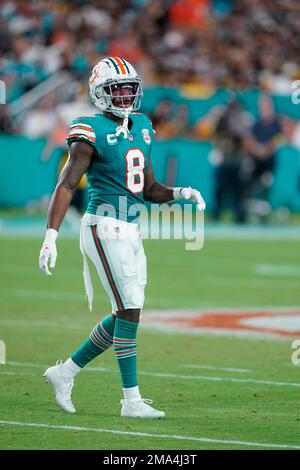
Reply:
x=146, y=136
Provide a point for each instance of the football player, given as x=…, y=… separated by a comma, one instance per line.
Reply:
x=113, y=149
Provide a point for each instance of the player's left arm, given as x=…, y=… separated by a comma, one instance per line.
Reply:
x=159, y=193
x=154, y=191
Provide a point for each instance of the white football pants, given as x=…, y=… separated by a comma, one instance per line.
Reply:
x=116, y=249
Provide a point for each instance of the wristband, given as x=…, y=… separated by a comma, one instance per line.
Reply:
x=51, y=235
x=177, y=193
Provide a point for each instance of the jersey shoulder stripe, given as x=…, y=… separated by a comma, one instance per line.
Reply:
x=83, y=132
x=80, y=130
x=82, y=126
x=71, y=136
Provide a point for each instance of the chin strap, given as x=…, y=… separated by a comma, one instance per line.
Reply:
x=123, y=129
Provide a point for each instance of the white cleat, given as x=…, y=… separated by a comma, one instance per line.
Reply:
x=140, y=409
x=62, y=387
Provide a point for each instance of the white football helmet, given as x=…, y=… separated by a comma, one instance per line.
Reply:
x=115, y=87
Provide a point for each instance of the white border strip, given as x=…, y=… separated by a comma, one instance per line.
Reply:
x=226, y=369
x=171, y=376
x=220, y=379
x=145, y=434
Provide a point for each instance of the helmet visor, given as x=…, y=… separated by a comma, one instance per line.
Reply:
x=124, y=95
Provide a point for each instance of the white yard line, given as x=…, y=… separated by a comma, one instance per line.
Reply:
x=173, y=376
x=146, y=434
x=276, y=270
x=220, y=379
x=227, y=369
x=12, y=229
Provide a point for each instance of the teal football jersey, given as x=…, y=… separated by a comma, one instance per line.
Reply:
x=120, y=164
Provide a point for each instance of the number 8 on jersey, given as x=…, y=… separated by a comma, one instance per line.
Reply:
x=135, y=164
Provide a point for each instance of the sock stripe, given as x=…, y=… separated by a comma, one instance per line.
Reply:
x=123, y=340
x=121, y=350
x=125, y=347
x=125, y=354
x=110, y=338
x=96, y=343
x=101, y=342
x=119, y=358
x=124, y=344
x=100, y=336
x=125, y=351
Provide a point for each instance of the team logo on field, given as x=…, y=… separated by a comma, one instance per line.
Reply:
x=244, y=322
x=146, y=136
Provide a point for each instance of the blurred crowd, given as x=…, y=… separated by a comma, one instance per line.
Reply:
x=196, y=43
x=233, y=43
x=196, y=46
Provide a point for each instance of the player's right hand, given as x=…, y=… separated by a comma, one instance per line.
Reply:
x=48, y=251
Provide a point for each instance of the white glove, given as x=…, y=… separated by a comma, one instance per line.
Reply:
x=190, y=194
x=48, y=250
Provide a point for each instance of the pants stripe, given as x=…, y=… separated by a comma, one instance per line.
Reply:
x=106, y=267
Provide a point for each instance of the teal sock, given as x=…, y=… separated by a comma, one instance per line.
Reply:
x=125, y=350
x=100, y=339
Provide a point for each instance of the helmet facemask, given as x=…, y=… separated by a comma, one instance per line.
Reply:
x=120, y=97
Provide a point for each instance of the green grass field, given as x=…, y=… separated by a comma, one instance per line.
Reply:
x=43, y=319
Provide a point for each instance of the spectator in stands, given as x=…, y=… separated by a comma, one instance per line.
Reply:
x=228, y=158
x=6, y=124
x=40, y=122
x=170, y=120
x=260, y=144
x=220, y=43
x=194, y=46
x=64, y=114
